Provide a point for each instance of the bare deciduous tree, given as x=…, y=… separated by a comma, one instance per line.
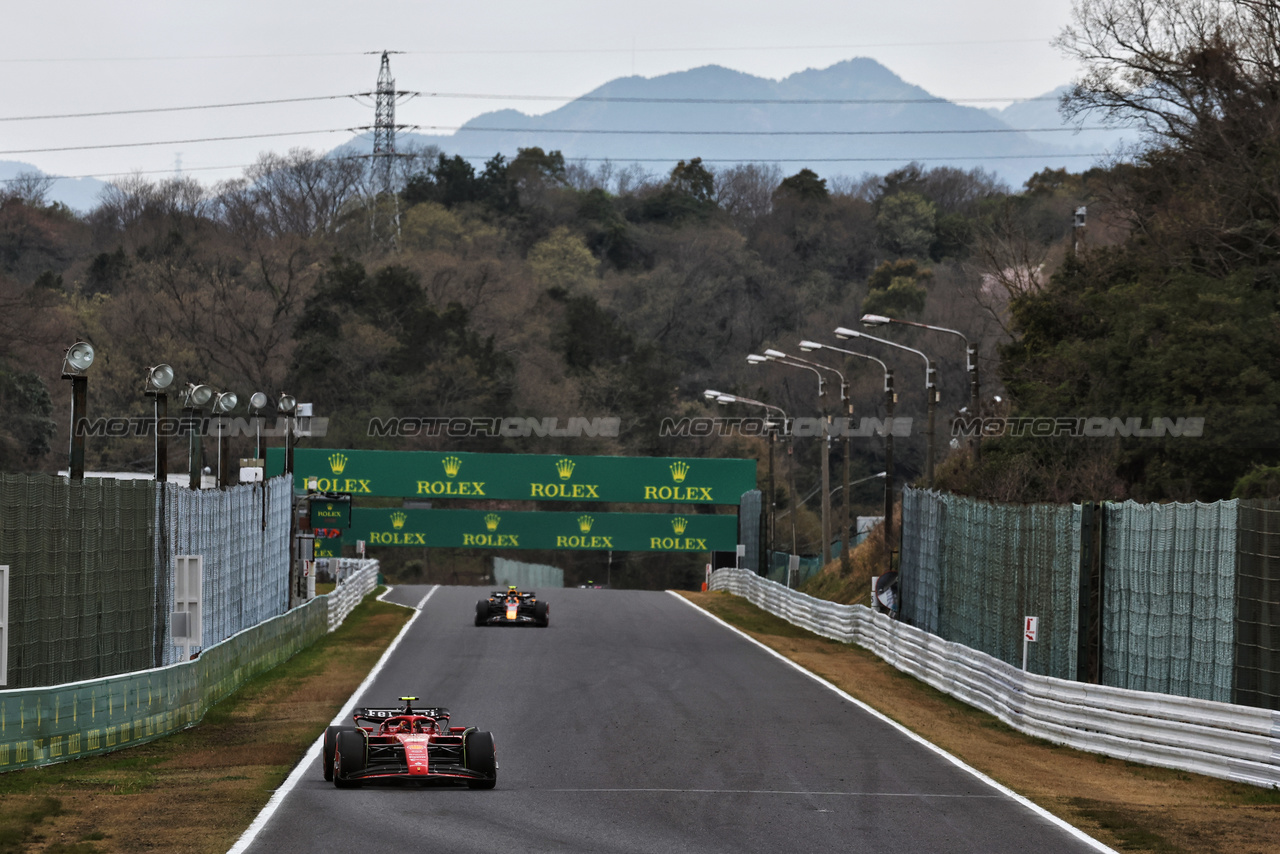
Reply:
x=30, y=188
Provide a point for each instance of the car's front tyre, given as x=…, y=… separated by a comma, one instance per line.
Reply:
x=482, y=756
x=349, y=757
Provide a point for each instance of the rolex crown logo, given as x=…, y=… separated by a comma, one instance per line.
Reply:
x=451, y=466
x=585, y=523
x=398, y=520
x=678, y=471
x=337, y=462
x=678, y=524
x=565, y=468
x=491, y=521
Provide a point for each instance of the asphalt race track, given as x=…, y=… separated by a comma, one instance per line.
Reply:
x=635, y=723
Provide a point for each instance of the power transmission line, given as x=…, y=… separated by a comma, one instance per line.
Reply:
x=650, y=132
x=506, y=51
x=143, y=110
x=172, y=141
x=463, y=128
x=492, y=97
x=626, y=99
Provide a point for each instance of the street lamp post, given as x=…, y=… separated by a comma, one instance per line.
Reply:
x=890, y=398
x=930, y=387
x=860, y=480
x=194, y=398
x=817, y=368
x=285, y=406
x=76, y=360
x=971, y=360
x=158, y=379
x=257, y=402
x=223, y=403
x=722, y=398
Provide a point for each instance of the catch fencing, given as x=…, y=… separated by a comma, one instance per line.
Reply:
x=91, y=570
x=243, y=534
x=1222, y=740
x=971, y=570
x=1180, y=599
x=55, y=724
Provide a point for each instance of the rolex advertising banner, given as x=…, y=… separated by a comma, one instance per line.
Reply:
x=497, y=529
x=434, y=474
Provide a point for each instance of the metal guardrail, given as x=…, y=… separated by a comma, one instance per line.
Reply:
x=42, y=726
x=1238, y=743
x=356, y=579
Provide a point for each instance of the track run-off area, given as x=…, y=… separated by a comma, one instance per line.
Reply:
x=637, y=722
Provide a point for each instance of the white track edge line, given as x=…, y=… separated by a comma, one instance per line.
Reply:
x=313, y=753
x=959, y=763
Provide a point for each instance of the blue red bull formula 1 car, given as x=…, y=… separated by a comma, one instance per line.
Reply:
x=408, y=744
x=512, y=607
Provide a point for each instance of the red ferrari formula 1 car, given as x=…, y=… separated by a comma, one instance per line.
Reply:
x=408, y=744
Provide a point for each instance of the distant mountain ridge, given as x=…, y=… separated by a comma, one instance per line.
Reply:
x=854, y=141
x=79, y=194
x=851, y=138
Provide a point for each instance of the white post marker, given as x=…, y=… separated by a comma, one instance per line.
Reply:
x=1030, y=627
x=708, y=576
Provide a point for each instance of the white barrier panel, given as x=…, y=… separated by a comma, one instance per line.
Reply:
x=1223, y=740
x=356, y=578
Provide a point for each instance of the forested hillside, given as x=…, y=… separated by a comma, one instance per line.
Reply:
x=536, y=287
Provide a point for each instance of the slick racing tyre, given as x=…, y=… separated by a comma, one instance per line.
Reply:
x=541, y=613
x=326, y=752
x=482, y=612
x=348, y=757
x=328, y=748
x=482, y=756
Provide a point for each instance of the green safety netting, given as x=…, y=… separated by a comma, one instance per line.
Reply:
x=972, y=571
x=82, y=577
x=91, y=569
x=1257, y=662
x=1169, y=598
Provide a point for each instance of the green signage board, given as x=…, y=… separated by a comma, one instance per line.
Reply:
x=330, y=513
x=328, y=547
x=499, y=529
x=436, y=474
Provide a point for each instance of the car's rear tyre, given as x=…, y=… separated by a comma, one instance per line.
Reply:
x=482, y=612
x=482, y=756
x=541, y=613
x=349, y=757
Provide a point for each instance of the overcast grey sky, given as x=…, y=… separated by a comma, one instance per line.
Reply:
x=74, y=56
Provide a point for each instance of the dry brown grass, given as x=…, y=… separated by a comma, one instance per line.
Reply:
x=851, y=585
x=198, y=790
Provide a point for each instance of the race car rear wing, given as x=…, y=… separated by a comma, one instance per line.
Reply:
x=382, y=714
